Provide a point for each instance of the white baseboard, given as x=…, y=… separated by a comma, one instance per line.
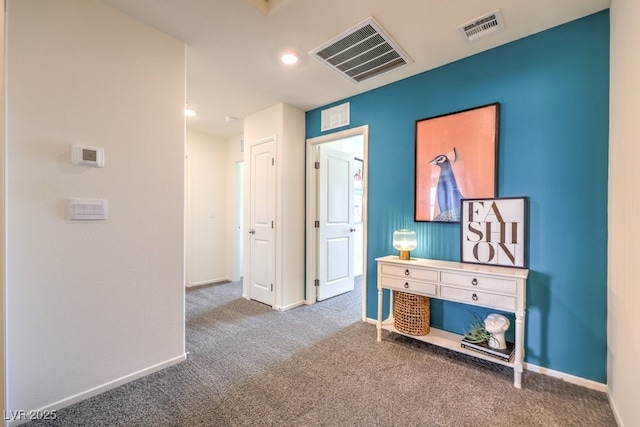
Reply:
x=102, y=388
x=614, y=409
x=209, y=282
x=594, y=385
x=290, y=306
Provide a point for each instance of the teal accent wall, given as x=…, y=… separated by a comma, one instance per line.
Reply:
x=553, y=90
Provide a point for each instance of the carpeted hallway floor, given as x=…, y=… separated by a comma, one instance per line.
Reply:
x=320, y=365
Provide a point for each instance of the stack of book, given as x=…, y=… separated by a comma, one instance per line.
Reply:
x=483, y=347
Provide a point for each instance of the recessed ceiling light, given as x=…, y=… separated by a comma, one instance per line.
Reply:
x=289, y=58
x=189, y=113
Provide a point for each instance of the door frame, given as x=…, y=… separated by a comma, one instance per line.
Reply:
x=311, y=207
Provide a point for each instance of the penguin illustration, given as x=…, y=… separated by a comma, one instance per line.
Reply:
x=447, y=191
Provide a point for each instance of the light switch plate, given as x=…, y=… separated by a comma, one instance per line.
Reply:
x=87, y=209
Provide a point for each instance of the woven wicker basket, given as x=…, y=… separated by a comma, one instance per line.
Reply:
x=411, y=313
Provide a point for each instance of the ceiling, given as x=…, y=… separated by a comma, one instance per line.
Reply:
x=233, y=45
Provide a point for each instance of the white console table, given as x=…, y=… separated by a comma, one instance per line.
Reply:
x=501, y=288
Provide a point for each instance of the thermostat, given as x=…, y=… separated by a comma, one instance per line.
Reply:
x=87, y=156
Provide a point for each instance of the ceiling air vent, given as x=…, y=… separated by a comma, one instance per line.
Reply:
x=362, y=52
x=482, y=27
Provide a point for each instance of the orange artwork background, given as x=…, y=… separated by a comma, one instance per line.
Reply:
x=473, y=133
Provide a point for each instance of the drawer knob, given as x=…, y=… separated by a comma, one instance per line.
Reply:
x=474, y=281
x=406, y=285
x=406, y=272
x=474, y=297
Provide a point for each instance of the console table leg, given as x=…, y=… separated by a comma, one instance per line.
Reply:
x=379, y=324
x=519, y=356
x=517, y=375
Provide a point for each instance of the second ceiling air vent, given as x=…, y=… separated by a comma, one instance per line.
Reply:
x=482, y=26
x=362, y=52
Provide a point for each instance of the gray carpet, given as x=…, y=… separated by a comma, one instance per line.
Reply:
x=320, y=365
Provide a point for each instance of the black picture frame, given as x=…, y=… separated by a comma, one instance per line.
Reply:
x=456, y=156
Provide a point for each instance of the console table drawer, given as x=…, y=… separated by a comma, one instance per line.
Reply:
x=408, y=286
x=479, y=282
x=484, y=299
x=410, y=272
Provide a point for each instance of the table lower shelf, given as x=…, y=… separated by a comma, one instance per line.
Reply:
x=446, y=340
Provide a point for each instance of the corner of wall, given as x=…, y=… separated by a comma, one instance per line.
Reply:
x=623, y=294
x=3, y=384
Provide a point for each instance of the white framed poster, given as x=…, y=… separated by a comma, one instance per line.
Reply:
x=494, y=231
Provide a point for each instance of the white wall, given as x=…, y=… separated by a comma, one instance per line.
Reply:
x=213, y=243
x=2, y=233
x=207, y=176
x=91, y=304
x=234, y=226
x=290, y=178
x=287, y=124
x=623, y=334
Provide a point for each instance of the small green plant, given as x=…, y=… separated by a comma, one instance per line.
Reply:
x=476, y=332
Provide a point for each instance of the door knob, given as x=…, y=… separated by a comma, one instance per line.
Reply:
x=252, y=231
x=352, y=230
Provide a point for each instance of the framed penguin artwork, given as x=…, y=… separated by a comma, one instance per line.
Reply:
x=456, y=158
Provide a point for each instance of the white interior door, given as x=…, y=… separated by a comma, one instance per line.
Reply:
x=336, y=248
x=262, y=212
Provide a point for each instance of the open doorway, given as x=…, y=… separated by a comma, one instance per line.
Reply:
x=239, y=222
x=353, y=143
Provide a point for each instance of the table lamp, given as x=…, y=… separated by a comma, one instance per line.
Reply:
x=404, y=241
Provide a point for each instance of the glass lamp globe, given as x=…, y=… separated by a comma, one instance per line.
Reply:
x=405, y=241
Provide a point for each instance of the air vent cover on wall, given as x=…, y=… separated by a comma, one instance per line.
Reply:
x=335, y=117
x=363, y=52
x=483, y=26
